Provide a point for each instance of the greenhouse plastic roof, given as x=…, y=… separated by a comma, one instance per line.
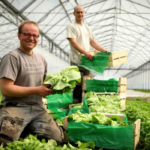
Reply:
x=117, y=25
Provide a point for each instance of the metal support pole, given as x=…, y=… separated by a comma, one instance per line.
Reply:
x=41, y=40
x=52, y=47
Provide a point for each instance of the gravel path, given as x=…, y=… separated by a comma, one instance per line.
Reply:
x=132, y=93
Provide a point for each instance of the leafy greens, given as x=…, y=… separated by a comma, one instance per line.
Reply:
x=64, y=81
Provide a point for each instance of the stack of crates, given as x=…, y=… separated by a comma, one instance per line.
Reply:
x=122, y=93
x=121, y=89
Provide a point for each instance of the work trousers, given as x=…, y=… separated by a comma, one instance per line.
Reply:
x=77, y=91
x=14, y=119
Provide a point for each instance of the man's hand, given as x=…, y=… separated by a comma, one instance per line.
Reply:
x=106, y=51
x=43, y=91
x=89, y=56
x=80, y=49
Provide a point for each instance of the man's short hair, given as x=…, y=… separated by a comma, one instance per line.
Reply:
x=76, y=7
x=26, y=22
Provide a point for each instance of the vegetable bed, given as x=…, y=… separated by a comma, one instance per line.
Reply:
x=140, y=110
x=32, y=143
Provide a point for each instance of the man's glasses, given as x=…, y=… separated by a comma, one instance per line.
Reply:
x=28, y=35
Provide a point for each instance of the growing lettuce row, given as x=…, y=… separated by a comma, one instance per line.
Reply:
x=140, y=110
x=32, y=143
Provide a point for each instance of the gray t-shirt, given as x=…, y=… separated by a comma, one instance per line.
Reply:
x=25, y=70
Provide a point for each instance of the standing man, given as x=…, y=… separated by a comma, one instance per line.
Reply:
x=21, y=74
x=80, y=38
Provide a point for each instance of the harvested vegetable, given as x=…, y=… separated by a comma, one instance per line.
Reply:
x=64, y=81
x=104, y=103
x=96, y=118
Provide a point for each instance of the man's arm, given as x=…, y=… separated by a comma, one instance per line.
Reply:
x=97, y=46
x=9, y=89
x=74, y=43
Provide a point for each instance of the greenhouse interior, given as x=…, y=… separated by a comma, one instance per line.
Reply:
x=75, y=74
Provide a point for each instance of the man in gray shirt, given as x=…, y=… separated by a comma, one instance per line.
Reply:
x=21, y=74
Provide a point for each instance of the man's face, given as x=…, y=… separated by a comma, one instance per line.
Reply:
x=28, y=37
x=79, y=13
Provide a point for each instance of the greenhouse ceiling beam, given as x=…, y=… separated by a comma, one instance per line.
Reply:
x=25, y=7
x=114, y=27
x=89, y=13
x=104, y=26
x=135, y=63
x=137, y=53
x=135, y=14
x=105, y=40
x=121, y=37
x=9, y=44
x=76, y=2
x=102, y=11
x=138, y=39
x=3, y=24
x=8, y=31
x=126, y=38
x=105, y=36
x=97, y=21
x=119, y=45
x=8, y=37
x=135, y=36
x=138, y=3
x=139, y=69
x=46, y=15
x=54, y=26
x=118, y=70
x=117, y=40
x=13, y=11
x=11, y=16
x=139, y=59
x=100, y=33
x=65, y=10
x=109, y=45
x=133, y=23
x=89, y=4
x=136, y=68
